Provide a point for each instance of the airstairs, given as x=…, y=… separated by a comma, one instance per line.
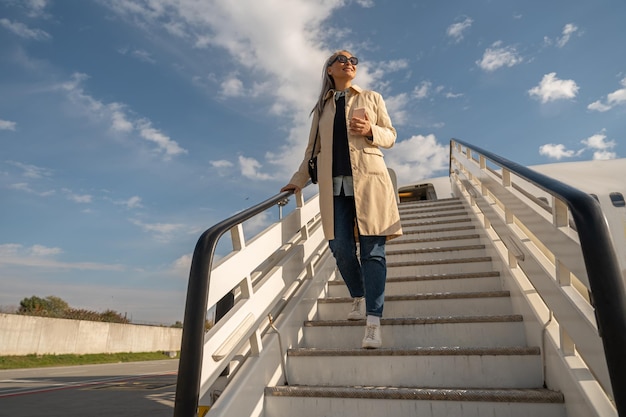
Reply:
x=451, y=343
x=488, y=312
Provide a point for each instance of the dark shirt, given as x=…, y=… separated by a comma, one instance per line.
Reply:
x=341, y=151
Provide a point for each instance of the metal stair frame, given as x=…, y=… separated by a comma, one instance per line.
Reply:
x=549, y=289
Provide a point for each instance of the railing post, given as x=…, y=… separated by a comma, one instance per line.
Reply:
x=560, y=213
x=237, y=237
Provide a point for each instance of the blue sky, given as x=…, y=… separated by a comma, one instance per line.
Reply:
x=128, y=127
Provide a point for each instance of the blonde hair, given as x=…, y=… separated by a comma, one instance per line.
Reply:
x=327, y=82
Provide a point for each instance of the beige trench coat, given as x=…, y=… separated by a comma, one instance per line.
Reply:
x=374, y=194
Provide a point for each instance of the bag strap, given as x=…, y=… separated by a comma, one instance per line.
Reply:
x=315, y=141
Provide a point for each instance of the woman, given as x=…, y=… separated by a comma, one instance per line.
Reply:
x=356, y=192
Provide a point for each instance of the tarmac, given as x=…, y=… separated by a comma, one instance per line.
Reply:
x=120, y=390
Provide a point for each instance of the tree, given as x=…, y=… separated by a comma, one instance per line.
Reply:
x=33, y=305
x=55, y=307
x=50, y=306
x=111, y=316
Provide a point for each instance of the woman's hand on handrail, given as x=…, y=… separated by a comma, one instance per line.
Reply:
x=290, y=187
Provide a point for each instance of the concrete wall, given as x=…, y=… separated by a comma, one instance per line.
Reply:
x=25, y=335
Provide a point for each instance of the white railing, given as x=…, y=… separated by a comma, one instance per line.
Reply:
x=264, y=274
x=548, y=273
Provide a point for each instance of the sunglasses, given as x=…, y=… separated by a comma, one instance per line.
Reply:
x=343, y=59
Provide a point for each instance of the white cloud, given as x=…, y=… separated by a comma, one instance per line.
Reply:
x=36, y=7
x=263, y=52
x=221, y=164
x=232, y=87
x=422, y=90
x=77, y=198
x=223, y=167
x=31, y=171
x=39, y=256
x=601, y=146
x=499, y=56
x=396, y=65
x=599, y=106
x=181, y=266
x=397, y=108
x=144, y=56
x=418, y=157
x=23, y=31
x=162, y=232
x=119, y=122
x=618, y=96
x=597, y=143
x=40, y=250
x=556, y=151
x=116, y=115
x=551, y=88
x=7, y=125
x=613, y=99
x=457, y=30
x=131, y=203
x=604, y=155
x=454, y=95
x=164, y=143
x=140, y=54
x=568, y=31
x=23, y=186
x=250, y=169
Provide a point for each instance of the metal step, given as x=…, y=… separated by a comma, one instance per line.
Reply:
x=359, y=401
x=434, y=232
x=443, y=367
x=459, y=331
x=401, y=285
x=431, y=210
x=427, y=304
x=439, y=266
x=425, y=225
x=428, y=205
x=415, y=241
x=439, y=215
x=456, y=251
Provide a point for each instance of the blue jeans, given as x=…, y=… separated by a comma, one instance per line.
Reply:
x=367, y=277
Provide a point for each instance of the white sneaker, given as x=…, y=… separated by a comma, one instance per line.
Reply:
x=372, y=339
x=358, y=309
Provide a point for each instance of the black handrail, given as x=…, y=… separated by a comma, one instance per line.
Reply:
x=605, y=278
x=192, y=345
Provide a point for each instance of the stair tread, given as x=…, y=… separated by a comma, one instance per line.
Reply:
x=421, y=351
x=512, y=318
x=432, y=277
x=433, y=239
x=440, y=261
x=437, y=230
x=427, y=209
x=429, y=203
x=436, y=222
x=434, y=249
x=436, y=215
x=514, y=395
x=427, y=296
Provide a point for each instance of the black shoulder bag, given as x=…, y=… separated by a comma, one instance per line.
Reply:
x=313, y=159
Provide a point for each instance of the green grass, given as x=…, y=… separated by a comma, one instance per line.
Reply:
x=40, y=361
